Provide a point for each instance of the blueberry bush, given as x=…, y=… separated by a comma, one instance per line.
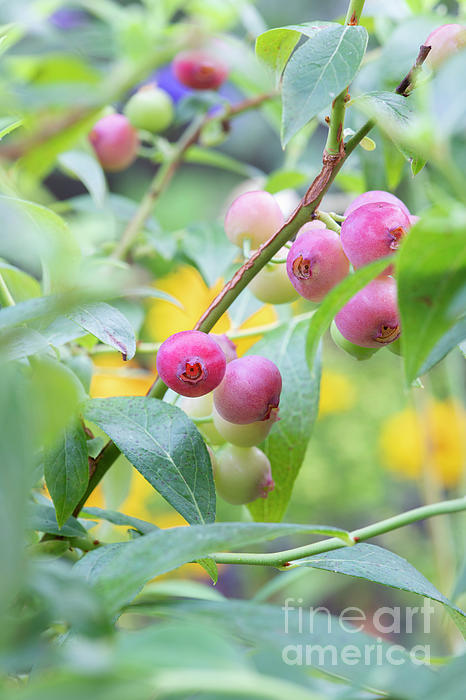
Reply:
x=202, y=262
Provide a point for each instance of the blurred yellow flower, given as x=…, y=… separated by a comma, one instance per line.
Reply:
x=114, y=377
x=337, y=393
x=408, y=442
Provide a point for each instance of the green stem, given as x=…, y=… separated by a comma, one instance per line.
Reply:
x=328, y=221
x=354, y=12
x=104, y=460
x=5, y=295
x=281, y=559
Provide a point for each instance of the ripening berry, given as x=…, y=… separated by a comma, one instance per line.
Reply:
x=242, y=474
x=203, y=407
x=413, y=219
x=191, y=363
x=250, y=390
x=316, y=262
x=253, y=215
x=150, y=108
x=373, y=231
x=356, y=351
x=199, y=69
x=444, y=42
x=227, y=345
x=246, y=435
x=375, y=196
x=272, y=284
x=315, y=223
x=115, y=142
x=371, y=319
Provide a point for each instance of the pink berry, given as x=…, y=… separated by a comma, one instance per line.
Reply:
x=115, y=142
x=191, y=363
x=373, y=231
x=413, y=219
x=201, y=70
x=371, y=319
x=254, y=215
x=316, y=262
x=242, y=474
x=375, y=196
x=444, y=41
x=250, y=390
x=227, y=345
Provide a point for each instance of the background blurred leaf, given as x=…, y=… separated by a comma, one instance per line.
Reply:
x=16, y=343
x=87, y=169
x=43, y=518
x=107, y=324
x=287, y=442
x=66, y=470
x=117, y=518
x=165, y=447
x=317, y=72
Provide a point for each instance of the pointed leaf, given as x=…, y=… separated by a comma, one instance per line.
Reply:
x=107, y=324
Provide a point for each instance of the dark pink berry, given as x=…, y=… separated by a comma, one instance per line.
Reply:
x=250, y=390
x=115, y=142
x=371, y=319
x=373, y=231
x=198, y=69
x=316, y=262
x=191, y=363
x=444, y=41
x=375, y=196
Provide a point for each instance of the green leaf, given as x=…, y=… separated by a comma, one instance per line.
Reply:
x=317, y=72
x=209, y=249
x=9, y=124
x=374, y=563
x=387, y=108
x=87, y=169
x=274, y=47
x=216, y=159
x=287, y=442
x=333, y=302
x=16, y=343
x=43, y=518
x=165, y=447
x=66, y=471
x=21, y=285
x=431, y=274
x=118, y=571
x=284, y=179
x=210, y=567
x=117, y=518
x=107, y=324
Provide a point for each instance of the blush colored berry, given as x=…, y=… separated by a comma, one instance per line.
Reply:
x=246, y=435
x=373, y=231
x=373, y=196
x=203, y=407
x=191, y=363
x=115, y=142
x=355, y=351
x=242, y=474
x=444, y=42
x=413, y=219
x=250, y=390
x=272, y=284
x=316, y=262
x=315, y=223
x=201, y=70
x=371, y=319
x=150, y=108
x=227, y=345
x=253, y=215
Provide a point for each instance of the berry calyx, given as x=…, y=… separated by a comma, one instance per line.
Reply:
x=150, y=108
x=272, y=284
x=115, y=142
x=371, y=318
x=200, y=70
x=191, y=363
x=250, y=390
x=246, y=435
x=254, y=216
x=444, y=42
x=316, y=262
x=373, y=231
x=373, y=196
x=242, y=474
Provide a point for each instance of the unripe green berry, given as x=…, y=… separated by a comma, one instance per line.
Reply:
x=356, y=351
x=202, y=407
x=242, y=474
x=272, y=284
x=242, y=435
x=151, y=109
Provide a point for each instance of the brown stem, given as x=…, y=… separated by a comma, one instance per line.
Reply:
x=407, y=84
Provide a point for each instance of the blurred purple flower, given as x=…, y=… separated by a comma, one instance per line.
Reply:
x=68, y=18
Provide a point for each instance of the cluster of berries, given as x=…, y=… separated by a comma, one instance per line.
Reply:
x=319, y=258
x=241, y=397
x=115, y=137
